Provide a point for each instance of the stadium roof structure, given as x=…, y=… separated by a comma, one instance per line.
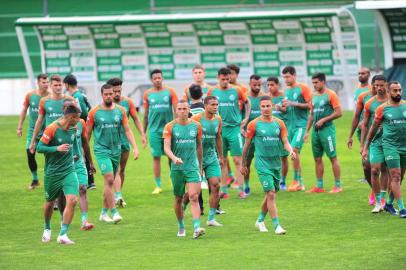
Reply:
x=387, y=4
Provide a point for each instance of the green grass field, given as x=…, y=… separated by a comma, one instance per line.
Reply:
x=324, y=231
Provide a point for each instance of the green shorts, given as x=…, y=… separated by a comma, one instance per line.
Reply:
x=251, y=152
x=212, y=170
x=296, y=137
x=232, y=141
x=108, y=164
x=324, y=140
x=156, y=142
x=269, y=180
x=55, y=185
x=125, y=147
x=29, y=138
x=393, y=158
x=376, y=155
x=180, y=178
x=81, y=172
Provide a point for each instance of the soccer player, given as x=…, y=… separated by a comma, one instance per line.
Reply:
x=375, y=153
x=71, y=85
x=392, y=116
x=50, y=108
x=267, y=132
x=357, y=118
x=196, y=95
x=31, y=102
x=279, y=110
x=198, y=74
x=325, y=109
x=159, y=104
x=234, y=73
x=60, y=176
x=254, y=96
x=130, y=110
x=107, y=120
x=183, y=146
x=233, y=126
x=298, y=101
x=212, y=153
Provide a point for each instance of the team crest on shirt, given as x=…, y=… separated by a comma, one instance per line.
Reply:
x=117, y=118
x=321, y=102
x=277, y=130
x=59, y=140
x=192, y=133
x=216, y=129
x=33, y=103
x=204, y=129
x=389, y=115
x=50, y=108
x=232, y=97
x=295, y=95
x=263, y=131
x=177, y=134
x=152, y=100
x=72, y=137
x=166, y=98
x=102, y=119
x=404, y=114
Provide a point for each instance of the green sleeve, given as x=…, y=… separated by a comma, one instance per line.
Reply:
x=43, y=148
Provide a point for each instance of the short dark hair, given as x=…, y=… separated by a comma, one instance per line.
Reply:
x=70, y=80
x=42, y=76
x=70, y=106
x=273, y=79
x=115, y=82
x=56, y=78
x=378, y=77
x=234, y=68
x=255, y=77
x=105, y=86
x=224, y=71
x=209, y=98
x=195, y=91
x=393, y=82
x=320, y=76
x=289, y=69
x=198, y=66
x=265, y=98
x=155, y=71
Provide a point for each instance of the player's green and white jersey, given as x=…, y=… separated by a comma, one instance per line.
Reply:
x=323, y=105
x=295, y=116
x=211, y=128
x=58, y=163
x=278, y=100
x=183, y=143
x=81, y=100
x=107, y=126
x=393, y=119
x=359, y=90
x=229, y=104
x=255, y=108
x=130, y=109
x=77, y=145
x=31, y=101
x=266, y=136
x=52, y=109
x=159, y=104
x=369, y=111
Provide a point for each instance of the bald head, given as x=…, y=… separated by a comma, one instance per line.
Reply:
x=363, y=75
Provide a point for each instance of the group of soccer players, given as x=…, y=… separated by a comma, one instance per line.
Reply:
x=198, y=131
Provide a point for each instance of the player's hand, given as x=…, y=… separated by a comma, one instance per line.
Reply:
x=243, y=132
x=63, y=147
x=136, y=153
x=177, y=161
x=360, y=124
x=319, y=124
x=92, y=169
x=364, y=154
x=292, y=155
x=19, y=132
x=144, y=141
x=32, y=147
x=306, y=137
x=285, y=103
x=221, y=162
x=244, y=170
x=349, y=143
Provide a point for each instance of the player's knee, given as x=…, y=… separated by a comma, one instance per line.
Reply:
x=375, y=172
x=193, y=197
x=72, y=200
x=237, y=161
x=270, y=195
x=395, y=176
x=214, y=187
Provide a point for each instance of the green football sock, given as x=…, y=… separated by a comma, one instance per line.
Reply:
x=114, y=211
x=158, y=181
x=241, y=188
x=104, y=211
x=34, y=176
x=83, y=216
x=283, y=179
x=378, y=197
x=224, y=189
x=400, y=204
x=230, y=173
x=384, y=194
x=296, y=176
x=275, y=222
x=246, y=183
x=118, y=195
x=196, y=224
x=320, y=182
x=391, y=198
x=212, y=214
x=64, y=229
x=337, y=183
x=181, y=225
x=47, y=224
x=261, y=216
